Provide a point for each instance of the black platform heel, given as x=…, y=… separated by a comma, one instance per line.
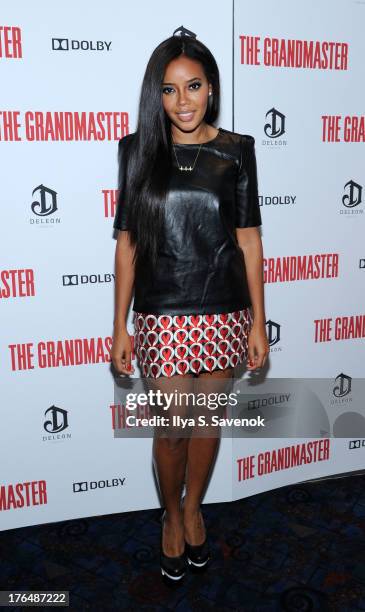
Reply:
x=198, y=555
x=174, y=568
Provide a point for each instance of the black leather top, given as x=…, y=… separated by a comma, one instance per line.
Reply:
x=201, y=269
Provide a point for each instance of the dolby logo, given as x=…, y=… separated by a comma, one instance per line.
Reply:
x=353, y=444
x=73, y=280
x=278, y=200
x=82, y=487
x=68, y=44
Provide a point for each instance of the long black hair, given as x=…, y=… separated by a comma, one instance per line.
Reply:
x=150, y=152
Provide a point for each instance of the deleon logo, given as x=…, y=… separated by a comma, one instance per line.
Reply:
x=276, y=124
x=81, y=487
x=67, y=44
x=353, y=195
x=58, y=420
x=273, y=332
x=343, y=387
x=46, y=204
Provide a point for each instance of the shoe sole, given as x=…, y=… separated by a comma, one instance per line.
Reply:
x=164, y=573
x=197, y=564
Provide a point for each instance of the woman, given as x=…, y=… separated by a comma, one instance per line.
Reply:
x=190, y=247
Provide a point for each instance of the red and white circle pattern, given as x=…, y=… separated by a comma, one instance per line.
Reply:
x=167, y=345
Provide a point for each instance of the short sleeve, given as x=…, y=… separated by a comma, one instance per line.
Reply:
x=248, y=212
x=120, y=219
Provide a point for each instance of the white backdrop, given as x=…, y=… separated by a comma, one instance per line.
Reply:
x=302, y=178
x=57, y=283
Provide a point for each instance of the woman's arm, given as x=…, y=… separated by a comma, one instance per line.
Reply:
x=124, y=282
x=249, y=241
x=124, y=279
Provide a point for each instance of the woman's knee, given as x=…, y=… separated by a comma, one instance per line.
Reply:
x=172, y=442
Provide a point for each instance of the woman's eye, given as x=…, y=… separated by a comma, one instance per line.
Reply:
x=195, y=85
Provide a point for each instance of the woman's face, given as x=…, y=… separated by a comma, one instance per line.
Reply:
x=185, y=92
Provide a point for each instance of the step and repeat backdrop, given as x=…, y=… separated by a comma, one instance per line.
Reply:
x=71, y=73
x=294, y=67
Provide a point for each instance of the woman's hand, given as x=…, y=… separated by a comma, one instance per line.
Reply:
x=258, y=346
x=121, y=352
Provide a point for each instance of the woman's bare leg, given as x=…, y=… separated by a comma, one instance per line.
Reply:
x=169, y=458
x=200, y=456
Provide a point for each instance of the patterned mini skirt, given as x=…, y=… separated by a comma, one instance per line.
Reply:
x=167, y=345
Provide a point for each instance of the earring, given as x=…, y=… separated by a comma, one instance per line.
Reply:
x=210, y=93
